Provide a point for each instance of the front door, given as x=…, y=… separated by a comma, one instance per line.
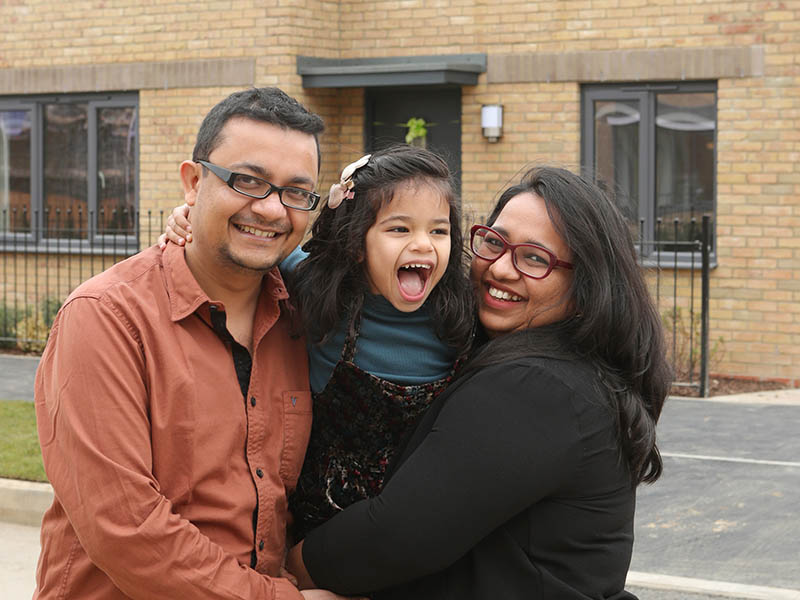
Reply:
x=389, y=110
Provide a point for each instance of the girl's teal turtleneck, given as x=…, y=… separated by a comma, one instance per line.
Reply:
x=397, y=346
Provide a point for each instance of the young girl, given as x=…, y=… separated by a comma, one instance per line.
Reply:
x=387, y=310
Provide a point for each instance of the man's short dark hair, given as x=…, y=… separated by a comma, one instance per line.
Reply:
x=269, y=105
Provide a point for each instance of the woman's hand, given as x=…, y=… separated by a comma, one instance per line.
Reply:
x=179, y=229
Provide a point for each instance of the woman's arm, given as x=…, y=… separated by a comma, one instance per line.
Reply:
x=505, y=439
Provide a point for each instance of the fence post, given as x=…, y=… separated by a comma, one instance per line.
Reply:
x=704, y=317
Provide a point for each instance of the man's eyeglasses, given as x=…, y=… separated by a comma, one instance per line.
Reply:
x=529, y=259
x=255, y=187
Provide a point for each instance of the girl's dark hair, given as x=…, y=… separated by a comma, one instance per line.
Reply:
x=331, y=282
x=615, y=324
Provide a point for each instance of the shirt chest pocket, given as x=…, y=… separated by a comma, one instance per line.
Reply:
x=296, y=431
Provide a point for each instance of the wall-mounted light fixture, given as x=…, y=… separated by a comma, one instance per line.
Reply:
x=492, y=121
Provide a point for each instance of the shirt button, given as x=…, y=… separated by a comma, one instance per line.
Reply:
x=259, y=472
x=252, y=401
x=261, y=545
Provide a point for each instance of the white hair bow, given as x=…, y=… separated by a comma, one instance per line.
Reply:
x=344, y=188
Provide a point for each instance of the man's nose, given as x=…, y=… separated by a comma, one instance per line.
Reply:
x=269, y=207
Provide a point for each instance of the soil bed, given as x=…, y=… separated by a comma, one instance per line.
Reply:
x=725, y=386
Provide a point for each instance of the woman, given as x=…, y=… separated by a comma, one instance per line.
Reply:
x=519, y=481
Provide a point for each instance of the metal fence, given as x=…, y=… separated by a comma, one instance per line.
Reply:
x=45, y=255
x=682, y=294
x=43, y=260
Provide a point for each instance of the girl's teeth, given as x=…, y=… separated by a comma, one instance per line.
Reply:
x=503, y=295
x=415, y=266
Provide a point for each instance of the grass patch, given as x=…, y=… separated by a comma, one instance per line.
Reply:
x=20, y=455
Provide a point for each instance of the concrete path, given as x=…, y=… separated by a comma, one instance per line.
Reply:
x=19, y=552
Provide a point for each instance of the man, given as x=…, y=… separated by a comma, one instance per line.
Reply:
x=172, y=399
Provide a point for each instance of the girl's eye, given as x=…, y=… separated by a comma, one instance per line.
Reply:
x=441, y=232
x=399, y=229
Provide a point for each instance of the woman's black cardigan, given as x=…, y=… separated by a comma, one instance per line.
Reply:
x=512, y=486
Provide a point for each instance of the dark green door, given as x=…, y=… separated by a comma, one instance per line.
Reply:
x=388, y=111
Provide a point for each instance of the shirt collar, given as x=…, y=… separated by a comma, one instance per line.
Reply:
x=186, y=295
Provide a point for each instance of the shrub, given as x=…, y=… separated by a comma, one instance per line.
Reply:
x=684, y=344
x=27, y=327
x=10, y=315
x=32, y=332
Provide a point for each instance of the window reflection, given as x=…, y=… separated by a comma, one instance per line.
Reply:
x=616, y=153
x=116, y=164
x=15, y=170
x=685, y=125
x=65, y=170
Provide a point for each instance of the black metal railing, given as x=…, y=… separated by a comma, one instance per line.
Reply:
x=42, y=265
x=684, y=248
x=44, y=255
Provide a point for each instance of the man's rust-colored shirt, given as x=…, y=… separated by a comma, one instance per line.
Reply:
x=169, y=481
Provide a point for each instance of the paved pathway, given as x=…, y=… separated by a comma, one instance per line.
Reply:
x=19, y=551
x=16, y=376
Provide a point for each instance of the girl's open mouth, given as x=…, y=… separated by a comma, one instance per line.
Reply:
x=412, y=280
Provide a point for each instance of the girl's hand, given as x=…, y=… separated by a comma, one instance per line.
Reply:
x=286, y=575
x=295, y=565
x=179, y=229
x=326, y=595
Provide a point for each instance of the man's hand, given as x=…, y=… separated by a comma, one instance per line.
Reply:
x=179, y=229
x=326, y=595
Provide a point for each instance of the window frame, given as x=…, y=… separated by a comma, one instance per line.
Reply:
x=645, y=94
x=95, y=243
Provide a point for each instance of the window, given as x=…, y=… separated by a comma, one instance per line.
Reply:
x=655, y=146
x=68, y=168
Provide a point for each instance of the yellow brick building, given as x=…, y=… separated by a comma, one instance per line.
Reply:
x=728, y=72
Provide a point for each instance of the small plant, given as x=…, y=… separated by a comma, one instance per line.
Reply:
x=684, y=344
x=27, y=327
x=10, y=315
x=417, y=130
x=50, y=307
x=32, y=332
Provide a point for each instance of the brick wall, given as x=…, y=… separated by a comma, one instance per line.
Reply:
x=756, y=286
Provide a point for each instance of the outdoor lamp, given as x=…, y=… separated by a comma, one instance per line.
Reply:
x=492, y=121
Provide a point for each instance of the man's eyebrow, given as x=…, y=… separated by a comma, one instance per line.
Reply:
x=264, y=174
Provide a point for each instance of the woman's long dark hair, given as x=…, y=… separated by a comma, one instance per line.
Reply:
x=615, y=324
x=331, y=282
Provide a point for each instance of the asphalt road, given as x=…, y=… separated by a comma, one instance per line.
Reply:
x=726, y=508
x=16, y=376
